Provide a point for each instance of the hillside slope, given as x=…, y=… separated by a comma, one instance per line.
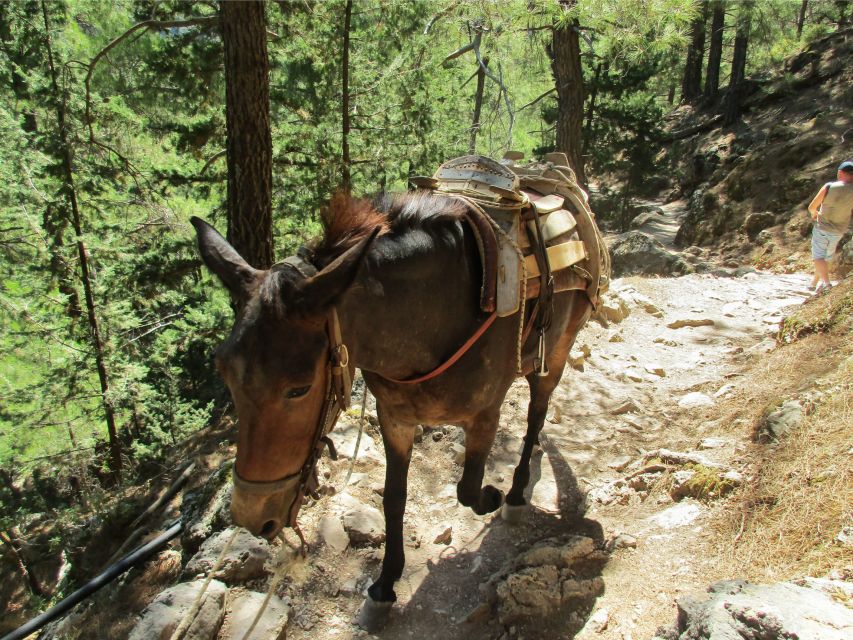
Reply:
x=748, y=185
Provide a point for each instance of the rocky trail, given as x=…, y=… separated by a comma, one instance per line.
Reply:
x=606, y=549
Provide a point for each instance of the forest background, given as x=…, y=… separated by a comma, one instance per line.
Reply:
x=113, y=133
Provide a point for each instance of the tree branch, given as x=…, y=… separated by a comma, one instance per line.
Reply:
x=537, y=99
x=159, y=25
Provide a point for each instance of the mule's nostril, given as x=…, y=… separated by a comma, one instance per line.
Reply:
x=269, y=528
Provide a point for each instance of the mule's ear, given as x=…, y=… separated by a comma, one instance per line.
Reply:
x=319, y=292
x=220, y=257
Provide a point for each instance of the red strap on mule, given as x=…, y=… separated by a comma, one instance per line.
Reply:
x=452, y=360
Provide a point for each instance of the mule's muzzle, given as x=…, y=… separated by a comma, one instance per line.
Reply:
x=264, y=508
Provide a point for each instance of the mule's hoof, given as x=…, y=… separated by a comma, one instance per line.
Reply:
x=491, y=499
x=514, y=513
x=373, y=615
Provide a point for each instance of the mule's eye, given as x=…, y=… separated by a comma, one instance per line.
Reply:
x=296, y=392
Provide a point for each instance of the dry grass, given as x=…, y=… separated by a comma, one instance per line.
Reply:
x=785, y=522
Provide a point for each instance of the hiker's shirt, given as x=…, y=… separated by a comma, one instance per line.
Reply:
x=836, y=207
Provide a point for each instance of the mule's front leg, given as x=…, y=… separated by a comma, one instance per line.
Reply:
x=398, y=441
x=479, y=436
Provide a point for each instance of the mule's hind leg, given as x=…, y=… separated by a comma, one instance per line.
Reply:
x=541, y=389
x=398, y=441
x=479, y=436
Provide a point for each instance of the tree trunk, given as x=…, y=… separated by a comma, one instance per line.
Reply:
x=346, y=178
x=691, y=83
x=565, y=55
x=478, y=106
x=715, y=50
x=70, y=192
x=13, y=544
x=247, y=119
x=590, y=110
x=732, y=107
x=842, y=5
x=801, y=17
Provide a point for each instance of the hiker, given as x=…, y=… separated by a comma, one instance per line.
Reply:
x=830, y=209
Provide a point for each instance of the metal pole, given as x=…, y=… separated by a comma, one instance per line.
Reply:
x=101, y=580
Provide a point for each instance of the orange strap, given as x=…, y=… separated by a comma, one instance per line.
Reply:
x=452, y=360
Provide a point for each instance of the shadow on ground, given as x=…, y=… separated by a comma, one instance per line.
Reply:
x=456, y=577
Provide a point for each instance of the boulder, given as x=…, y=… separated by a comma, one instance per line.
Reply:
x=695, y=400
x=332, y=532
x=756, y=222
x=652, y=216
x=160, y=618
x=365, y=526
x=244, y=560
x=636, y=253
x=740, y=610
x=242, y=611
x=207, y=510
x=551, y=574
x=779, y=422
x=345, y=436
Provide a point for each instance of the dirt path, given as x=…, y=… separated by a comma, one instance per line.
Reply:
x=644, y=384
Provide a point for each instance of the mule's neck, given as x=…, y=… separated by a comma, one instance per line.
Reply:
x=415, y=301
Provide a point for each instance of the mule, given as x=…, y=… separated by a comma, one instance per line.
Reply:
x=403, y=276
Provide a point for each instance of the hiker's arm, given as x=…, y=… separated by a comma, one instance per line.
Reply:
x=814, y=205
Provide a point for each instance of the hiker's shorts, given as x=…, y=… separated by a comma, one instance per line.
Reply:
x=823, y=244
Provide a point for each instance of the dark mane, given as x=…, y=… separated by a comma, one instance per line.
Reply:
x=347, y=220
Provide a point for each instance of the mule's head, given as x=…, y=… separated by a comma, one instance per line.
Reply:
x=275, y=363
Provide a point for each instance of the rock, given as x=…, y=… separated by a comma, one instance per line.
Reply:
x=651, y=216
x=480, y=614
x=764, y=237
x=691, y=322
x=714, y=443
x=160, y=618
x=779, y=422
x=633, y=374
x=576, y=360
x=695, y=400
x=458, y=453
x=679, y=515
x=612, y=308
x=741, y=610
x=537, y=582
x=845, y=536
x=333, y=534
x=680, y=480
x=629, y=406
x=756, y=222
x=621, y=541
x=656, y=369
x=445, y=537
x=207, y=509
x=244, y=560
x=620, y=463
x=725, y=390
x=555, y=416
x=419, y=433
x=365, y=526
x=598, y=621
x=345, y=436
x=242, y=611
x=636, y=253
